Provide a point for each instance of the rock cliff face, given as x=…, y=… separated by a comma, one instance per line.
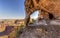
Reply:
x=46, y=8
x=48, y=31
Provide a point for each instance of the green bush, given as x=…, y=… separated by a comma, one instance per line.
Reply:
x=31, y=22
x=19, y=31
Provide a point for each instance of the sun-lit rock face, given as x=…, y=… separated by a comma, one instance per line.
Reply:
x=45, y=8
x=53, y=6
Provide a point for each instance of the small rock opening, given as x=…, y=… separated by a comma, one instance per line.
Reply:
x=51, y=16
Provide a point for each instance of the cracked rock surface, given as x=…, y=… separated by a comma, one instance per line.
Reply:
x=42, y=31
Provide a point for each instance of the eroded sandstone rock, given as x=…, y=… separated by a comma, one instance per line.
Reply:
x=45, y=7
x=48, y=31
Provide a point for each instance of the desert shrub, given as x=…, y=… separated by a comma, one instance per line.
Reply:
x=31, y=22
x=19, y=31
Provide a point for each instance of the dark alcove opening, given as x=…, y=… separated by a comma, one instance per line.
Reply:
x=51, y=16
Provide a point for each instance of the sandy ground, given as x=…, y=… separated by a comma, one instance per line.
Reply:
x=4, y=36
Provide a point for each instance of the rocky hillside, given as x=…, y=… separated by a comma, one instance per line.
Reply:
x=41, y=31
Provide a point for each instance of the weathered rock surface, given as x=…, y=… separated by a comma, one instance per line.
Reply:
x=41, y=31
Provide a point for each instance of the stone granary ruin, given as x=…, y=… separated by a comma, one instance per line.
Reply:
x=48, y=9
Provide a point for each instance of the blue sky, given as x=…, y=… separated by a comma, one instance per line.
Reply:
x=13, y=9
